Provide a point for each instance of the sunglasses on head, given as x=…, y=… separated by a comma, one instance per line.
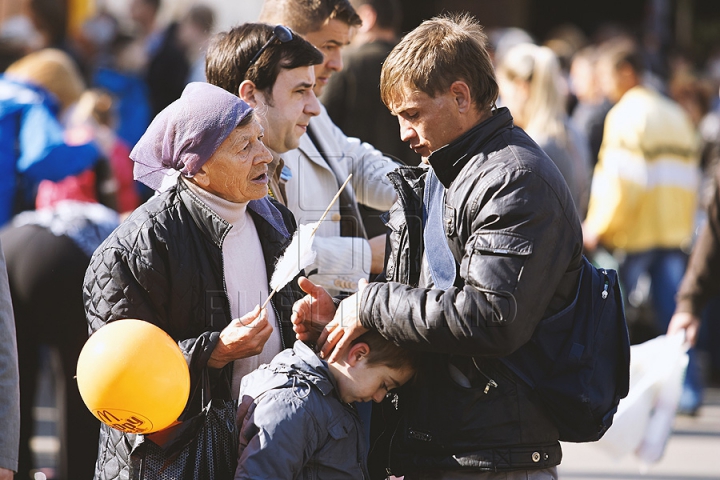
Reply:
x=280, y=32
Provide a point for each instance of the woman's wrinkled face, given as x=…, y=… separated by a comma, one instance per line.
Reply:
x=238, y=170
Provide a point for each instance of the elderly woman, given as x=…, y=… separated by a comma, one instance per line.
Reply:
x=198, y=254
x=531, y=87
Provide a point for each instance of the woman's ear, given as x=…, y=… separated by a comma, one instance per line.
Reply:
x=248, y=93
x=201, y=178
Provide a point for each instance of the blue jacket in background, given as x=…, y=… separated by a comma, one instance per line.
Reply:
x=132, y=103
x=294, y=425
x=32, y=145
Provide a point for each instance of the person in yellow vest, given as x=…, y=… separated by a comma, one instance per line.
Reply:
x=644, y=190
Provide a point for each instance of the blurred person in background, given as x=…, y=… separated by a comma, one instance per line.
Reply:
x=530, y=86
x=698, y=299
x=644, y=190
x=33, y=145
x=110, y=181
x=591, y=106
x=50, y=19
x=194, y=34
x=48, y=251
x=700, y=284
x=503, y=39
x=121, y=76
x=326, y=155
x=9, y=381
x=565, y=40
x=166, y=67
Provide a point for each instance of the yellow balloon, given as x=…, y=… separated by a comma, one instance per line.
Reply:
x=133, y=376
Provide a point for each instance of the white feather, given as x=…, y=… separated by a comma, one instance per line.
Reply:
x=298, y=255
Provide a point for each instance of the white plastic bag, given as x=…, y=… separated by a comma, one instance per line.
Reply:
x=643, y=422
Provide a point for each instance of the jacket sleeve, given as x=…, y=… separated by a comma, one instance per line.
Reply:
x=340, y=262
x=519, y=250
x=702, y=277
x=121, y=285
x=278, y=437
x=9, y=377
x=44, y=154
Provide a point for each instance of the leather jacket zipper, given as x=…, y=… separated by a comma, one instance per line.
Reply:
x=387, y=469
x=606, y=286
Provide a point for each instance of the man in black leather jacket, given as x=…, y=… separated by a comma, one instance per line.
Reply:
x=483, y=244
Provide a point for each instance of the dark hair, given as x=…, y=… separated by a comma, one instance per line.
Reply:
x=230, y=52
x=305, y=16
x=436, y=54
x=154, y=4
x=622, y=51
x=389, y=12
x=201, y=16
x=384, y=352
x=50, y=18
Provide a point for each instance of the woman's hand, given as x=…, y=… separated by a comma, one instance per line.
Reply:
x=243, y=337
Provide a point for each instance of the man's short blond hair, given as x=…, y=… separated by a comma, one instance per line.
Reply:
x=439, y=52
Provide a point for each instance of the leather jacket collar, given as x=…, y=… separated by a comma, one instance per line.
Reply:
x=449, y=160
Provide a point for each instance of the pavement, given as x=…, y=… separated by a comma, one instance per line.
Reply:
x=691, y=453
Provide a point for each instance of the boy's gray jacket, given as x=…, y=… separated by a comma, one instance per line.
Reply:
x=293, y=424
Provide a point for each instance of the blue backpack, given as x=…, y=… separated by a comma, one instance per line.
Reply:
x=578, y=360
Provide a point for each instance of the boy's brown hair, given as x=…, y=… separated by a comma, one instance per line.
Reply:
x=384, y=352
x=307, y=16
x=437, y=53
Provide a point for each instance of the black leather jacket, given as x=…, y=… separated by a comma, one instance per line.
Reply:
x=164, y=265
x=515, y=235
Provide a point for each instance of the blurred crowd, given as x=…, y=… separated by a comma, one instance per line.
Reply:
x=638, y=144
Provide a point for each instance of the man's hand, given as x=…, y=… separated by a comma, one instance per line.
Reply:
x=312, y=312
x=6, y=474
x=244, y=337
x=344, y=328
x=685, y=321
x=377, y=247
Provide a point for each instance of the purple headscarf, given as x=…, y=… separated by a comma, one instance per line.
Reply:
x=185, y=134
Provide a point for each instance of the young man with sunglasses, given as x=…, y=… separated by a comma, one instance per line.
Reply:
x=326, y=156
x=271, y=69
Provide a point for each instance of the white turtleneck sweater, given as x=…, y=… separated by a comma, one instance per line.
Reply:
x=245, y=275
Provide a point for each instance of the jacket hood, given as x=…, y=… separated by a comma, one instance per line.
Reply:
x=305, y=364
